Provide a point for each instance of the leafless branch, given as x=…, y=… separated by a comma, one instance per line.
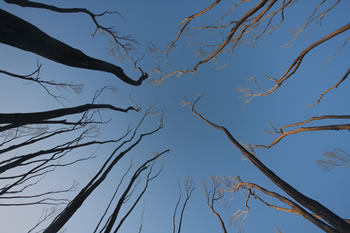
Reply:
x=99, y=177
x=188, y=191
x=304, y=129
x=186, y=22
x=297, y=62
x=38, y=42
x=124, y=42
x=337, y=158
x=213, y=195
x=336, y=223
x=332, y=87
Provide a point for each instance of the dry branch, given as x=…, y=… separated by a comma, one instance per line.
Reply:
x=128, y=40
x=332, y=87
x=336, y=224
x=297, y=62
x=23, y=35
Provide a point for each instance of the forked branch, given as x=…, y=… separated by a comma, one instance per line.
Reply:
x=336, y=224
x=114, y=35
x=297, y=62
x=308, y=129
x=332, y=87
x=23, y=35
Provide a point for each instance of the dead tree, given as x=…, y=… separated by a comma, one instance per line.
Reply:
x=36, y=144
x=331, y=222
x=257, y=20
x=23, y=35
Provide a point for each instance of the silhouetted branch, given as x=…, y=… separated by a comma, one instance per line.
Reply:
x=188, y=191
x=112, y=199
x=43, y=83
x=127, y=192
x=100, y=176
x=125, y=42
x=213, y=195
x=20, y=34
x=14, y=120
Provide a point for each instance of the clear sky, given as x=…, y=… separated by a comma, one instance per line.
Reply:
x=197, y=150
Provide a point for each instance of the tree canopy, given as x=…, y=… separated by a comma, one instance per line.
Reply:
x=174, y=116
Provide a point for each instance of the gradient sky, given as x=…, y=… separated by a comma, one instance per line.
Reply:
x=197, y=150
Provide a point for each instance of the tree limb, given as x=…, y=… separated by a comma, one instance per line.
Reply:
x=23, y=35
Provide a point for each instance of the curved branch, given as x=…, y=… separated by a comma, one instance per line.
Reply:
x=228, y=38
x=305, y=129
x=99, y=177
x=116, y=38
x=327, y=215
x=187, y=21
x=295, y=208
x=22, y=35
x=297, y=62
x=332, y=87
x=316, y=118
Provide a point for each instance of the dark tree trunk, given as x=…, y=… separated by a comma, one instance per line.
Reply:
x=18, y=33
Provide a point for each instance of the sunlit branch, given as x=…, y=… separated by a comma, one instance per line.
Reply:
x=327, y=215
x=294, y=208
x=271, y=16
x=297, y=62
x=305, y=129
x=332, y=87
x=338, y=158
x=314, y=17
x=186, y=22
x=308, y=129
x=316, y=118
x=227, y=40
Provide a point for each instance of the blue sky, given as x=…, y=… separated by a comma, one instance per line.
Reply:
x=197, y=150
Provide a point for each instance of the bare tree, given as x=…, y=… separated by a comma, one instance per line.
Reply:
x=35, y=144
x=24, y=166
x=336, y=223
x=260, y=19
x=21, y=34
